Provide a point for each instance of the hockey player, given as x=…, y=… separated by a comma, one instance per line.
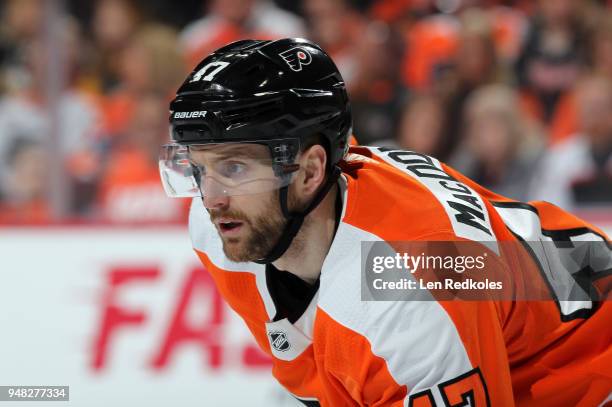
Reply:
x=282, y=205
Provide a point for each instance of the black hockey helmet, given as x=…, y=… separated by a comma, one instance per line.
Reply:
x=264, y=90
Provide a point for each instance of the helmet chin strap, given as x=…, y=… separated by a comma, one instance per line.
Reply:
x=296, y=219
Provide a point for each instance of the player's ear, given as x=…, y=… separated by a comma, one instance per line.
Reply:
x=313, y=160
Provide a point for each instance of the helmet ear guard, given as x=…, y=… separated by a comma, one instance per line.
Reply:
x=284, y=152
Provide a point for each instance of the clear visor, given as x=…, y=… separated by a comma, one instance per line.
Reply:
x=228, y=169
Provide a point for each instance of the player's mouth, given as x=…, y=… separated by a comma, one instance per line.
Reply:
x=229, y=227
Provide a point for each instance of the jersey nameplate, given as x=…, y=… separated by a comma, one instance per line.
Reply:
x=464, y=207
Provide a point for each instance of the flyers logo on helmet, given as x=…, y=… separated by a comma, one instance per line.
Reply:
x=296, y=57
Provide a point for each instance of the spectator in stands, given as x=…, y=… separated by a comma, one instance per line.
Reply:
x=501, y=147
x=578, y=171
x=130, y=189
x=21, y=23
x=431, y=43
x=232, y=20
x=375, y=91
x=338, y=28
x=508, y=27
x=601, y=45
x=552, y=56
x=150, y=61
x=565, y=122
x=420, y=126
x=475, y=64
x=27, y=111
x=23, y=184
x=114, y=23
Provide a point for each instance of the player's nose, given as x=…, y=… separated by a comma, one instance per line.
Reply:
x=216, y=201
x=215, y=195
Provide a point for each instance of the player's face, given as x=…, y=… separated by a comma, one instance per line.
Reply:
x=249, y=224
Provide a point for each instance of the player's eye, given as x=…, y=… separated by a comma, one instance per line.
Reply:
x=233, y=169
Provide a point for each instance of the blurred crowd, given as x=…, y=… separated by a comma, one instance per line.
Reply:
x=516, y=94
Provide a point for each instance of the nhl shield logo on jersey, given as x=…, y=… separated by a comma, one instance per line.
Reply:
x=279, y=341
x=296, y=57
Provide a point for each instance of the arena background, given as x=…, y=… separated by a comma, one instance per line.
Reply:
x=99, y=289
